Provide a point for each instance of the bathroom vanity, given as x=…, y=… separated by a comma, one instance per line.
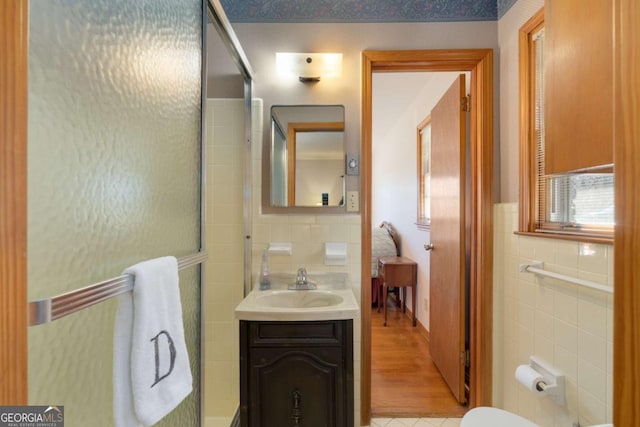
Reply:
x=296, y=373
x=296, y=357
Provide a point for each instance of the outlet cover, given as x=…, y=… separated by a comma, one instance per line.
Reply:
x=353, y=201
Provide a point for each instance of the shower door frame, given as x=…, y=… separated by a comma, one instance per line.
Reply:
x=229, y=39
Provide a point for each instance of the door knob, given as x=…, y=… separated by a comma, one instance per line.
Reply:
x=428, y=246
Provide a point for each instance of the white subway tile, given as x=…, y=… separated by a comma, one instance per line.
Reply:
x=566, y=335
x=281, y=232
x=527, y=247
x=525, y=316
x=592, y=379
x=544, y=348
x=545, y=250
x=567, y=254
x=527, y=293
x=593, y=258
x=566, y=305
x=591, y=410
x=300, y=233
x=592, y=349
x=567, y=362
x=545, y=298
x=544, y=324
x=592, y=317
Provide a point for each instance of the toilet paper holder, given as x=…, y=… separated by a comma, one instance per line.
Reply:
x=552, y=384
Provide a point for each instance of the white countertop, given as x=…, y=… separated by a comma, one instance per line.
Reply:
x=333, y=300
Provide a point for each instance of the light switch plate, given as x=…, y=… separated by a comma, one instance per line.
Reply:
x=353, y=201
x=353, y=165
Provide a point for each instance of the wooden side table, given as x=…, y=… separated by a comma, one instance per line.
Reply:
x=401, y=272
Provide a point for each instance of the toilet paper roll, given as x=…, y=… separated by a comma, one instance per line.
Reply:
x=528, y=377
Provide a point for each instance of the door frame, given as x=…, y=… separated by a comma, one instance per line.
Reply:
x=480, y=63
x=13, y=201
x=626, y=245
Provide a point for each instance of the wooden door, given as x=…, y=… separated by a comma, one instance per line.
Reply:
x=447, y=295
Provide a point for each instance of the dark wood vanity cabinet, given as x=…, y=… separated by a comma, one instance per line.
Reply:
x=296, y=374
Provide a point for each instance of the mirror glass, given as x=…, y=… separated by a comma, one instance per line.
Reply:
x=307, y=155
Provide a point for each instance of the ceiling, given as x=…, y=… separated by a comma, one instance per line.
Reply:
x=364, y=11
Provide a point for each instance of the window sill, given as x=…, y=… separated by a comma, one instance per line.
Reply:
x=605, y=240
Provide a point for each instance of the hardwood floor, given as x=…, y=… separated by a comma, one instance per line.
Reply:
x=404, y=380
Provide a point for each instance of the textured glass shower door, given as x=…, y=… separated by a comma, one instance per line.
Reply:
x=113, y=179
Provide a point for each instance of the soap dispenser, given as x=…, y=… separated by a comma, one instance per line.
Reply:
x=265, y=280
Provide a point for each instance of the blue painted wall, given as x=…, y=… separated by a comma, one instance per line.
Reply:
x=365, y=10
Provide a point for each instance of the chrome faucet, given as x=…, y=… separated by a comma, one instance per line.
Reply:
x=301, y=277
x=302, y=282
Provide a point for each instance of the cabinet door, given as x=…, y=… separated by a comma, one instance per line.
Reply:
x=296, y=387
x=578, y=75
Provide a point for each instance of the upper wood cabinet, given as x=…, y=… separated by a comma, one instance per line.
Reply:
x=578, y=86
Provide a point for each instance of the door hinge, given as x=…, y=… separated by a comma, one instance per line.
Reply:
x=465, y=358
x=465, y=103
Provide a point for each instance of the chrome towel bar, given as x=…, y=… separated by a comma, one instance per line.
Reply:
x=537, y=268
x=49, y=309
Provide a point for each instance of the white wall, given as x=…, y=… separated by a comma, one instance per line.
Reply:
x=400, y=102
x=509, y=109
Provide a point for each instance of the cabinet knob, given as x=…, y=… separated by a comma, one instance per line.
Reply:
x=428, y=247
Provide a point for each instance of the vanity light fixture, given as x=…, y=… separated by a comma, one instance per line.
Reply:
x=309, y=67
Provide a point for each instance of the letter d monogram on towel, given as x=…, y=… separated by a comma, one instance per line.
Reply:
x=172, y=355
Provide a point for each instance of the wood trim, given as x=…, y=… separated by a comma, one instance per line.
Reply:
x=13, y=202
x=626, y=365
x=481, y=327
x=527, y=143
x=480, y=63
x=317, y=127
x=365, y=245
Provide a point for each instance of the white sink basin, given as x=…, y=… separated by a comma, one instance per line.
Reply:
x=299, y=299
x=333, y=300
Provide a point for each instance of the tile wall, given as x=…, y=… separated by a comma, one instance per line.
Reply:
x=224, y=268
x=568, y=326
x=307, y=234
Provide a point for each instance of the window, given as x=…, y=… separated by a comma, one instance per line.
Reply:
x=577, y=204
x=424, y=173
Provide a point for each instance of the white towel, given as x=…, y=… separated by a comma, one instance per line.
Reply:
x=151, y=372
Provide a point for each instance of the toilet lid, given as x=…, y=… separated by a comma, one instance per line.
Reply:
x=493, y=417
